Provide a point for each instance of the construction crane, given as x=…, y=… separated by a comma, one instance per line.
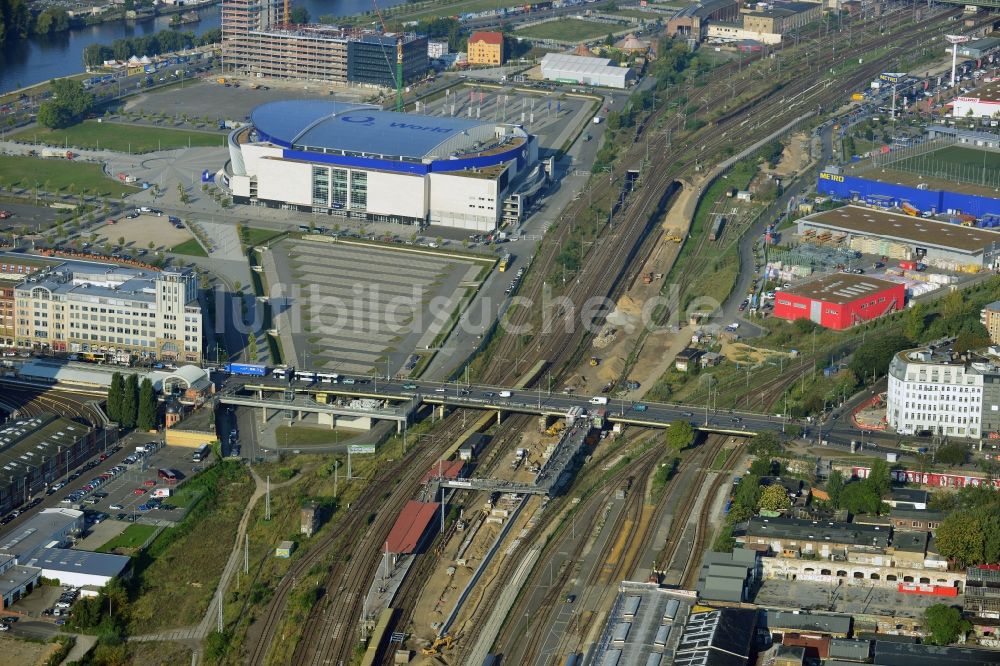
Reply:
x=399, y=58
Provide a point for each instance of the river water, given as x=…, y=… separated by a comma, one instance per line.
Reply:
x=29, y=61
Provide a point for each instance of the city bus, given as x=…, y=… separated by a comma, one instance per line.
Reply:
x=200, y=454
x=504, y=262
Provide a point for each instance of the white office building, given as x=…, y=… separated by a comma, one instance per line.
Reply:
x=91, y=307
x=934, y=391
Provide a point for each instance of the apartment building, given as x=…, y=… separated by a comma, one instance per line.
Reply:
x=89, y=307
x=486, y=48
x=990, y=316
x=934, y=390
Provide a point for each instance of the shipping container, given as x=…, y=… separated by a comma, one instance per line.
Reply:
x=251, y=369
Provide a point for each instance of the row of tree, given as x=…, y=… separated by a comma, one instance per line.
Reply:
x=18, y=22
x=130, y=404
x=164, y=41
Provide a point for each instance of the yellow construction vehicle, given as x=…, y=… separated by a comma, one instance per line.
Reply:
x=440, y=643
x=594, y=361
x=555, y=429
x=673, y=237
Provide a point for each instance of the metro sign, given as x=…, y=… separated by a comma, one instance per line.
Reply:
x=891, y=77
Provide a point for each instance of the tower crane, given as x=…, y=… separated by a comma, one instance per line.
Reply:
x=399, y=58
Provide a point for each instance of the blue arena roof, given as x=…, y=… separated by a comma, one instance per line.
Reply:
x=359, y=128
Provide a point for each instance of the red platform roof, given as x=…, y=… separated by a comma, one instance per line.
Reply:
x=449, y=469
x=413, y=520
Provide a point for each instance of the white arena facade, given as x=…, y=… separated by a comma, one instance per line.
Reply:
x=361, y=162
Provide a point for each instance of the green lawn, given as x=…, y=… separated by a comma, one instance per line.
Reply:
x=639, y=14
x=568, y=29
x=121, y=137
x=254, y=236
x=308, y=436
x=956, y=162
x=190, y=247
x=720, y=459
x=133, y=537
x=58, y=175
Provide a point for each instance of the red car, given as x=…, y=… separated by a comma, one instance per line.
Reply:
x=139, y=491
x=149, y=483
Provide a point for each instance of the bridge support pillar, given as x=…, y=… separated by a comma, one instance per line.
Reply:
x=399, y=427
x=499, y=417
x=440, y=411
x=264, y=414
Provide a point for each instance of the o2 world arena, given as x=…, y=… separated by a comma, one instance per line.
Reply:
x=361, y=162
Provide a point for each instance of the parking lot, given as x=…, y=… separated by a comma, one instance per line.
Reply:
x=352, y=324
x=128, y=495
x=139, y=232
x=207, y=98
x=552, y=119
x=33, y=218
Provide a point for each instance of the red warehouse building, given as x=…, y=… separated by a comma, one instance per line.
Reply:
x=840, y=300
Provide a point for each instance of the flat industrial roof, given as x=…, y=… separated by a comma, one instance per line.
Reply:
x=409, y=528
x=33, y=534
x=27, y=443
x=638, y=617
x=823, y=623
x=839, y=288
x=362, y=129
x=911, y=654
x=989, y=92
x=904, y=228
x=79, y=561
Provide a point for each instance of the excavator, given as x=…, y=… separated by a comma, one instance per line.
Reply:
x=440, y=643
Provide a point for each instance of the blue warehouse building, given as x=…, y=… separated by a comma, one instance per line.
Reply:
x=890, y=195
x=362, y=162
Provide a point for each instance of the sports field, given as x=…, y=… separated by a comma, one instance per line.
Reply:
x=120, y=137
x=955, y=163
x=568, y=30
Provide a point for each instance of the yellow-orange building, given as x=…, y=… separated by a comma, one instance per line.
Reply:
x=486, y=48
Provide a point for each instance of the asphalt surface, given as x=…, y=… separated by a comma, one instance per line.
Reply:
x=477, y=396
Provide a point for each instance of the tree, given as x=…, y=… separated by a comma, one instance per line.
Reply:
x=130, y=402
x=299, y=15
x=872, y=358
x=762, y=467
x=70, y=102
x=969, y=536
x=680, y=435
x=878, y=478
x=914, y=322
x=774, y=498
x=944, y=624
x=858, y=497
x=765, y=445
x=835, y=486
x=953, y=453
x=114, y=401
x=146, y=419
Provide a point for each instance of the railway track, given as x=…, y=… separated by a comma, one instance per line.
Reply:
x=346, y=581
x=31, y=402
x=528, y=640
x=323, y=639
